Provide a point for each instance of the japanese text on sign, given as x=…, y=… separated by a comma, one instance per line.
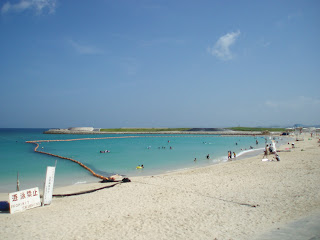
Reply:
x=23, y=200
x=48, y=189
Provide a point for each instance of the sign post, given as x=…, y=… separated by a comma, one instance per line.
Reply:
x=48, y=188
x=23, y=200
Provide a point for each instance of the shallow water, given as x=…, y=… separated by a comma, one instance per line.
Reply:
x=153, y=151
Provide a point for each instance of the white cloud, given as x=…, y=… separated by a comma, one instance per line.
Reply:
x=36, y=5
x=221, y=48
x=85, y=49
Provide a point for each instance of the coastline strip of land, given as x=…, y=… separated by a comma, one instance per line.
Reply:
x=165, y=131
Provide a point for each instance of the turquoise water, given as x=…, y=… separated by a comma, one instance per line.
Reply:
x=153, y=151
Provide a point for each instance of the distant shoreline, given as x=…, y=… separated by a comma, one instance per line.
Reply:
x=227, y=133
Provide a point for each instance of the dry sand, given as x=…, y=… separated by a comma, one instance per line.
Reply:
x=245, y=199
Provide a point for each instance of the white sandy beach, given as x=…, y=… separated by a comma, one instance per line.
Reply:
x=245, y=199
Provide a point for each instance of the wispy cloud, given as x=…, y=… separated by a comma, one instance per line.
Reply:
x=290, y=18
x=302, y=109
x=130, y=66
x=84, y=48
x=293, y=16
x=161, y=41
x=39, y=6
x=221, y=48
x=297, y=103
x=265, y=43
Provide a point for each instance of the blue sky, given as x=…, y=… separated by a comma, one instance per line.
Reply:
x=162, y=63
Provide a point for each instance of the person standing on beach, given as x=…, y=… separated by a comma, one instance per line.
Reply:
x=266, y=151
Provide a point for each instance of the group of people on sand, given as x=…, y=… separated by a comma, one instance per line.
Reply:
x=269, y=150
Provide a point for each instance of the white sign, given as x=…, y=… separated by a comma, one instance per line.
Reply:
x=48, y=188
x=23, y=200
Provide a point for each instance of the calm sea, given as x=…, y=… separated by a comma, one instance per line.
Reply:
x=158, y=154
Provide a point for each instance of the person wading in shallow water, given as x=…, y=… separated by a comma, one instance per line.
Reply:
x=229, y=155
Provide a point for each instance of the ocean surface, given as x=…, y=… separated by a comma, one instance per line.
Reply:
x=158, y=153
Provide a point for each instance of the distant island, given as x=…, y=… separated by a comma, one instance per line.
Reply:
x=222, y=131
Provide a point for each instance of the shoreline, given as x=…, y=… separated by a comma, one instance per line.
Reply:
x=235, y=200
x=244, y=154
x=95, y=183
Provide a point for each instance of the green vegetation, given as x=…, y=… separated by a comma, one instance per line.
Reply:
x=133, y=130
x=143, y=129
x=258, y=129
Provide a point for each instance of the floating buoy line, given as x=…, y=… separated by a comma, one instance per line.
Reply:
x=36, y=142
